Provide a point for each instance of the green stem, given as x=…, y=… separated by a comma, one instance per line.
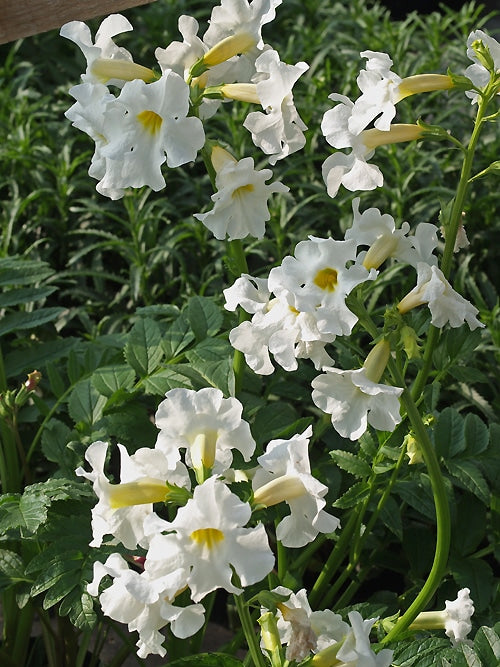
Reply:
x=443, y=521
x=248, y=629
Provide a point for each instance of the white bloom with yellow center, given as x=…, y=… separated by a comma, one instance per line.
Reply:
x=279, y=131
x=208, y=539
x=147, y=126
x=285, y=476
x=319, y=280
x=446, y=305
x=145, y=603
x=240, y=203
x=205, y=424
x=122, y=508
x=280, y=329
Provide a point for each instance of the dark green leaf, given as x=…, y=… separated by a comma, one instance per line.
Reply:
x=355, y=495
x=468, y=474
x=205, y=317
x=476, y=435
x=177, y=337
x=213, y=360
x=487, y=645
x=449, y=433
x=421, y=653
x=351, y=463
x=271, y=420
x=11, y=568
x=417, y=494
x=86, y=403
x=16, y=297
x=476, y=575
x=16, y=321
x=110, y=379
x=174, y=375
x=143, y=350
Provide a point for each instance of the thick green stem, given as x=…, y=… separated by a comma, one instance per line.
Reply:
x=249, y=631
x=443, y=522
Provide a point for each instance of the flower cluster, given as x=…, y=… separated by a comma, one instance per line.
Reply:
x=209, y=543
x=141, y=120
x=320, y=634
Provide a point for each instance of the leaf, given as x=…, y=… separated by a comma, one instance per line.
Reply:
x=38, y=355
x=476, y=435
x=79, y=606
x=471, y=657
x=418, y=494
x=21, y=271
x=487, y=645
x=351, y=463
x=85, y=403
x=205, y=317
x=476, y=575
x=11, y=569
x=271, y=420
x=22, y=512
x=391, y=516
x=207, y=660
x=110, y=379
x=143, y=350
x=16, y=297
x=355, y=495
x=421, y=653
x=55, y=438
x=174, y=375
x=449, y=436
x=24, y=320
x=213, y=360
x=468, y=474
x=177, y=337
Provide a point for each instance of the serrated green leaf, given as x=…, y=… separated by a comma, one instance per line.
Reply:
x=476, y=435
x=461, y=342
x=110, y=379
x=213, y=360
x=57, y=571
x=23, y=512
x=38, y=355
x=79, y=607
x=16, y=297
x=355, y=495
x=207, y=660
x=487, y=645
x=205, y=317
x=421, y=652
x=468, y=474
x=24, y=320
x=351, y=463
x=11, y=569
x=57, y=384
x=174, y=375
x=177, y=337
x=55, y=437
x=476, y=575
x=86, y=403
x=20, y=271
x=449, y=435
x=471, y=657
x=143, y=350
x=467, y=374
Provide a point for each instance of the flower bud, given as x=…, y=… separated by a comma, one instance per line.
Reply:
x=106, y=69
x=228, y=47
x=376, y=361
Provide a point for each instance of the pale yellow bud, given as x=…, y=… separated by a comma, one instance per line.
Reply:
x=106, y=69
x=423, y=83
x=376, y=361
x=229, y=47
x=278, y=490
x=244, y=92
x=396, y=134
x=141, y=492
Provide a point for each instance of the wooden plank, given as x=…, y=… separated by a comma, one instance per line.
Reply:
x=21, y=18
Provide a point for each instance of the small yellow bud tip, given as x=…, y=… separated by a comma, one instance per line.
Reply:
x=243, y=92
